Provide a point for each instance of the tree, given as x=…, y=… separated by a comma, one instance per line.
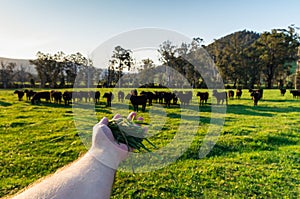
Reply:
x=74, y=63
x=252, y=68
x=6, y=73
x=277, y=48
x=22, y=74
x=64, y=68
x=167, y=51
x=182, y=59
x=146, y=74
x=230, y=55
x=48, y=67
x=120, y=60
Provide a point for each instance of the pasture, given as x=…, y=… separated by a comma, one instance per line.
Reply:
x=256, y=155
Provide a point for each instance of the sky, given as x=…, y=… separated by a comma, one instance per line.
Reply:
x=49, y=26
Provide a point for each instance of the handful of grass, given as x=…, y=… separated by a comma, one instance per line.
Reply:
x=129, y=132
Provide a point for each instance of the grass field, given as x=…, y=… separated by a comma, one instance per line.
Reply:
x=257, y=154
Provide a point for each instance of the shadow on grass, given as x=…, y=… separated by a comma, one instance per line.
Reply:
x=2, y=103
x=281, y=100
x=247, y=144
x=101, y=107
x=206, y=120
x=251, y=110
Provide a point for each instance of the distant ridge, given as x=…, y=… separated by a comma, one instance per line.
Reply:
x=20, y=62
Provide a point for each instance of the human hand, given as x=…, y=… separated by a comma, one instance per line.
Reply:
x=104, y=146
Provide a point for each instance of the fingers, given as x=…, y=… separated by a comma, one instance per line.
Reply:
x=107, y=132
x=117, y=116
x=124, y=147
x=131, y=115
x=145, y=128
x=104, y=121
x=140, y=118
x=104, y=137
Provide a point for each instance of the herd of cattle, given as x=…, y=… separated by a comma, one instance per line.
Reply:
x=162, y=97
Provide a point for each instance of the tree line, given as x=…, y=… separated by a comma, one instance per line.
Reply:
x=11, y=75
x=244, y=59
x=59, y=70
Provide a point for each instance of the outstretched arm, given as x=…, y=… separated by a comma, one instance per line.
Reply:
x=89, y=177
x=86, y=178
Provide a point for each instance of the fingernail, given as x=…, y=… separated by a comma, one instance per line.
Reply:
x=117, y=116
x=104, y=120
x=131, y=115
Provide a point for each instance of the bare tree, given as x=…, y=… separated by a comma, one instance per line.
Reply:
x=7, y=73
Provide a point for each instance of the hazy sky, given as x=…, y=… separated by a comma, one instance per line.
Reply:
x=28, y=26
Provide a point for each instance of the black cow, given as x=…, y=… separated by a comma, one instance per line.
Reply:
x=20, y=94
x=67, y=96
x=56, y=96
x=168, y=97
x=231, y=94
x=220, y=96
x=295, y=93
x=260, y=91
x=155, y=97
x=121, y=96
x=185, y=98
x=97, y=97
x=282, y=91
x=159, y=96
x=29, y=94
x=256, y=96
x=138, y=100
x=150, y=96
x=86, y=95
x=203, y=97
x=109, y=97
x=238, y=93
x=41, y=95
